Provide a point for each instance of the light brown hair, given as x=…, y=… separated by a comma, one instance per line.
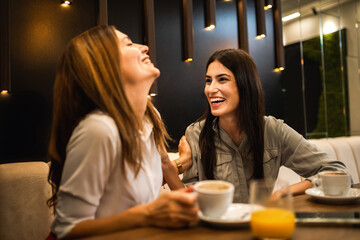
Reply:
x=88, y=77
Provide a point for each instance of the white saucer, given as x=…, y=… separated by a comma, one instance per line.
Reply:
x=354, y=194
x=237, y=215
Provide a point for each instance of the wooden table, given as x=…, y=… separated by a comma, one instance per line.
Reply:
x=202, y=231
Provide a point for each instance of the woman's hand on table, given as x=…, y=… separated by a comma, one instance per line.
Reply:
x=174, y=209
x=295, y=189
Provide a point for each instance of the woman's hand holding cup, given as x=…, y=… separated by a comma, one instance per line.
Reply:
x=174, y=209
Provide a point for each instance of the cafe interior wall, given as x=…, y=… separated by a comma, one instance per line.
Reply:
x=41, y=29
x=324, y=95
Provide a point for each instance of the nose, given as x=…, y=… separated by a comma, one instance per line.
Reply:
x=212, y=87
x=143, y=48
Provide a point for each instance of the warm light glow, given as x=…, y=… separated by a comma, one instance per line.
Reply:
x=189, y=60
x=291, y=16
x=4, y=92
x=356, y=25
x=227, y=0
x=260, y=36
x=153, y=94
x=211, y=27
x=268, y=7
x=329, y=27
x=65, y=3
x=279, y=69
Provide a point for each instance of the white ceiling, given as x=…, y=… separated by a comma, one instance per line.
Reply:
x=306, y=6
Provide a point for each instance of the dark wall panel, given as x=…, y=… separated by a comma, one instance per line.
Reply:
x=39, y=32
x=128, y=18
x=181, y=100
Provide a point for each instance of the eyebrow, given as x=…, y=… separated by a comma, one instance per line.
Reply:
x=126, y=38
x=220, y=75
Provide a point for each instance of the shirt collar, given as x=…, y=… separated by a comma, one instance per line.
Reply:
x=147, y=128
x=225, y=138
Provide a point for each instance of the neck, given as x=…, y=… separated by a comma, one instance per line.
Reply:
x=137, y=95
x=231, y=125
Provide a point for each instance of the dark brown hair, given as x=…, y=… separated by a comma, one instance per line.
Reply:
x=251, y=110
x=88, y=77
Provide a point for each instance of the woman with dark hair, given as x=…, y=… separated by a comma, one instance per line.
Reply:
x=236, y=142
x=107, y=144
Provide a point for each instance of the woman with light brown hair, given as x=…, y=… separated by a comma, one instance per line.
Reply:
x=107, y=145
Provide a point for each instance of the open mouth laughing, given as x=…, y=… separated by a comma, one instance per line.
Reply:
x=216, y=101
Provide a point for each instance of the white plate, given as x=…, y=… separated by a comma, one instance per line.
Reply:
x=354, y=194
x=237, y=215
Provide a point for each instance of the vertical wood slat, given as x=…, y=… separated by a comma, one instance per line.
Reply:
x=150, y=29
x=242, y=25
x=260, y=18
x=103, y=13
x=279, y=46
x=149, y=17
x=210, y=14
x=5, y=83
x=188, y=29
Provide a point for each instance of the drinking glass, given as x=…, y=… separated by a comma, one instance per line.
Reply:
x=271, y=218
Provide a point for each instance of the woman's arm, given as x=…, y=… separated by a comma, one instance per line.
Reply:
x=184, y=156
x=170, y=172
x=173, y=209
x=295, y=189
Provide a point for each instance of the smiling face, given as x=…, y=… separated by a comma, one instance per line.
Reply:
x=135, y=63
x=221, y=90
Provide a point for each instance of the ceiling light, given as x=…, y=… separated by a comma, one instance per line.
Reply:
x=291, y=16
x=66, y=3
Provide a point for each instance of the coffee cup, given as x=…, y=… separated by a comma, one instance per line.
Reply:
x=333, y=183
x=214, y=197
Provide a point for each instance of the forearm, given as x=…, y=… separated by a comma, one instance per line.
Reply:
x=300, y=187
x=295, y=189
x=186, y=162
x=131, y=218
x=175, y=209
x=185, y=156
x=170, y=172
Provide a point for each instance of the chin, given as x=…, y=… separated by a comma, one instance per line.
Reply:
x=215, y=113
x=157, y=74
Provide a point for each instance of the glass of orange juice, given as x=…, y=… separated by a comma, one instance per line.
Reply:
x=272, y=215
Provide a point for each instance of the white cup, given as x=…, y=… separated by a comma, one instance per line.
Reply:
x=214, y=197
x=333, y=183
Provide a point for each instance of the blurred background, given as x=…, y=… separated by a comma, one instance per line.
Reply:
x=317, y=93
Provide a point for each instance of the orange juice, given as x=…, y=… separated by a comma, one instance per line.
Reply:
x=273, y=223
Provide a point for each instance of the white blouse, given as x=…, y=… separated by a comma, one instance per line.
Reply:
x=92, y=184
